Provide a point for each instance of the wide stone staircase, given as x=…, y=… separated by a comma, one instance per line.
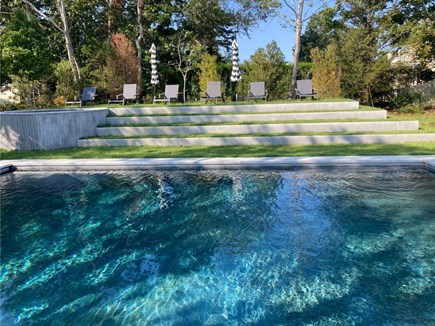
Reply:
x=293, y=123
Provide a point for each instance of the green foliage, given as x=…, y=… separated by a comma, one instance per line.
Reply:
x=305, y=70
x=267, y=65
x=322, y=29
x=366, y=32
x=208, y=71
x=65, y=85
x=215, y=22
x=32, y=93
x=25, y=48
x=363, y=65
x=326, y=72
x=409, y=101
x=411, y=26
x=95, y=72
x=26, y=58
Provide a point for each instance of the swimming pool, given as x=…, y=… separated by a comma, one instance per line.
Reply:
x=305, y=247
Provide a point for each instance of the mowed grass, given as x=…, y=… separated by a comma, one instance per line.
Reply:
x=418, y=148
x=427, y=124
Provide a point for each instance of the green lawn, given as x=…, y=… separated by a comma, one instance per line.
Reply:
x=421, y=148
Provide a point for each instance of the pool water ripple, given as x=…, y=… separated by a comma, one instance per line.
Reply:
x=218, y=248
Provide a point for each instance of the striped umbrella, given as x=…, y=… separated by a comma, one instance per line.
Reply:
x=154, y=76
x=235, y=73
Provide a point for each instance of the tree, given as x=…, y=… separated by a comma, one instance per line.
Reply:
x=410, y=25
x=298, y=16
x=362, y=64
x=25, y=53
x=121, y=64
x=139, y=41
x=208, y=71
x=326, y=72
x=364, y=60
x=64, y=30
x=267, y=65
x=322, y=29
x=188, y=57
x=213, y=23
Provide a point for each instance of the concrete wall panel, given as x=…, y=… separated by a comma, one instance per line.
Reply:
x=48, y=129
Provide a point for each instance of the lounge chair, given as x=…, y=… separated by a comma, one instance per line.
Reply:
x=129, y=94
x=304, y=88
x=89, y=94
x=213, y=91
x=257, y=91
x=171, y=92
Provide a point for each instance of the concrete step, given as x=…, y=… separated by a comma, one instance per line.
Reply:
x=218, y=109
x=260, y=128
x=275, y=140
x=342, y=115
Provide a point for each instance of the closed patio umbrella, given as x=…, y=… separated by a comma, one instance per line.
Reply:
x=154, y=76
x=235, y=73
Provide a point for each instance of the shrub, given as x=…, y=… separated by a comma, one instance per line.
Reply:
x=208, y=71
x=267, y=65
x=407, y=97
x=326, y=72
x=122, y=64
x=65, y=85
x=59, y=101
x=414, y=108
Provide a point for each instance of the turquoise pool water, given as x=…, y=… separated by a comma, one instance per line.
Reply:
x=218, y=248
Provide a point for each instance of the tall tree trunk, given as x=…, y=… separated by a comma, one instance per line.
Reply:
x=139, y=40
x=112, y=15
x=68, y=42
x=184, y=86
x=297, y=50
x=28, y=12
x=109, y=18
x=65, y=31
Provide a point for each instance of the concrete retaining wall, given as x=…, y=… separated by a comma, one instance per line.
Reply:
x=48, y=129
x=260, y=128
x=378, y=114
x=254, y=108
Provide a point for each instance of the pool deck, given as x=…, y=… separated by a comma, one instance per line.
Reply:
x=419, y=161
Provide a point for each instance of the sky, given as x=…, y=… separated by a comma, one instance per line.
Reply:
x=270, y=31
x=263, y=35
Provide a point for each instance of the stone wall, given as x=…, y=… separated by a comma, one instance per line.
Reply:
x=48, y=129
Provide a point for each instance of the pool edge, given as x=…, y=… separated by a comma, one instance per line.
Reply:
x=423, y=161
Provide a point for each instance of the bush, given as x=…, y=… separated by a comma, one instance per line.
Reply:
x=326, y=72
x=65, y=85
x=412, y=108
x=208, y=71
x=122, y=64
x=408, y=97
x=59, y=101
x=12, y=107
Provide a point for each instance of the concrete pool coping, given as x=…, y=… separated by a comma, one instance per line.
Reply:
x=420, y=161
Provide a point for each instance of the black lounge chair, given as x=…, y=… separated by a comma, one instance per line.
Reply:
x=89, y=94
